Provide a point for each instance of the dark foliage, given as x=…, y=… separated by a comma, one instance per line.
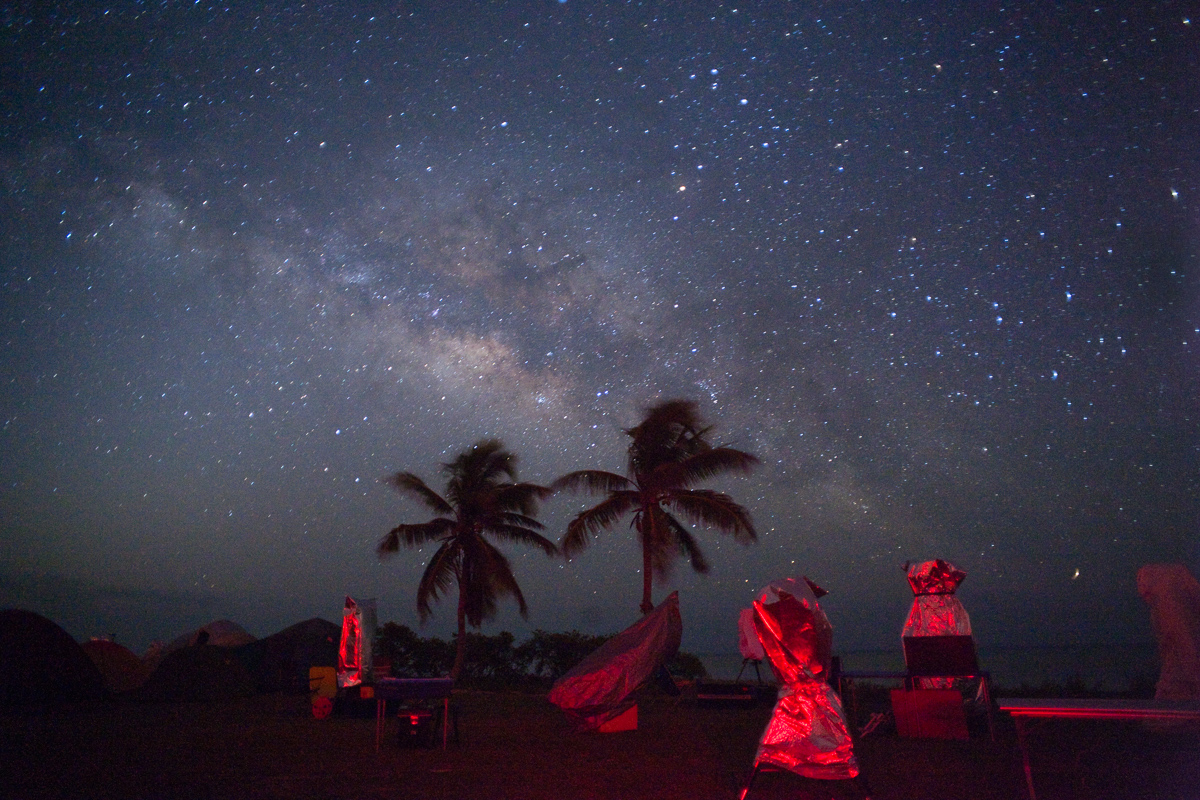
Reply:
x=551, y=655
x=494, y=662
x=413, y=656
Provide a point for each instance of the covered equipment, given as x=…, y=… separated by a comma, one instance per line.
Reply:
x=600, y=688
x=807, y=733
x=1174, y=599
x=935, y=610
x=355, y=664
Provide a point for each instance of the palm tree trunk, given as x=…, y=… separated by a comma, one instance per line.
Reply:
x=460, y=649
x=647, y=575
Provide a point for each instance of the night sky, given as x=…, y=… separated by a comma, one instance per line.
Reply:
x=936, y=269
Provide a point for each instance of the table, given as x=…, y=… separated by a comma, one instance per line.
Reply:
x=1021, y=709
x=407, y=690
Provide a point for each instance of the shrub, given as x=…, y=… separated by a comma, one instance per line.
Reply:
x=494, y=661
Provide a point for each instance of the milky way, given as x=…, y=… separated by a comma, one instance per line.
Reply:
x=937, y=271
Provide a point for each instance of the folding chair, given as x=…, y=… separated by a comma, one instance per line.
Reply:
x=947, y=657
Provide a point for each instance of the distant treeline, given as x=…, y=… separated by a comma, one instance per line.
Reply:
x=496, y=661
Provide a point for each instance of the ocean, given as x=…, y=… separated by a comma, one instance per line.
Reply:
x=1098, y=667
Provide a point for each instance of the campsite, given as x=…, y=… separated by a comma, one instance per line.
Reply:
x=516, y=745
x=233, y=721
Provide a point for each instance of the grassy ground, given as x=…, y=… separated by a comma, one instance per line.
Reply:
x=517, y=746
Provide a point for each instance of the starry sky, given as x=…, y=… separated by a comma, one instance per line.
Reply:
x=938, y=271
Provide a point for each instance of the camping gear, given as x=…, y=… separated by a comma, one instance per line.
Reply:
x=202, y=673
x=420, y=715
x=121, y=669
x=41, y=665
x=807, y=733
x=281, y=662
x=600, y=688
x=354, y=652
x=929, y=713
x=218, y=633
x=1156, y=714
x=748, y=644
x=322, y=686
x=1174, y=599
x=935, y=610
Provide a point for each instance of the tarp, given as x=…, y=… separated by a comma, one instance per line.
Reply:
x=355, y=663
x=1174, y=599
x=807, y=733
x=601, y=687
x=935, y=610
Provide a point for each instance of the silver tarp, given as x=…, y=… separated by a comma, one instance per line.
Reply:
x=807, y=733
x=935, y=610
x=601, y=687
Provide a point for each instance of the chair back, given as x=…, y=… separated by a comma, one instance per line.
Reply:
x=932, y=656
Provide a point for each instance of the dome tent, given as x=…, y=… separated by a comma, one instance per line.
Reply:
x=218, y=633
x=40, y=664
x=197, y=674
x=280, y=662
x=120, y=668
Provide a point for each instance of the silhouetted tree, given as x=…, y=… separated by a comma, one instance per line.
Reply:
x=667, y=457
x=482, y=500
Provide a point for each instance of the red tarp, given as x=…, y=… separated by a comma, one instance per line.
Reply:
x=1174, y=599
x=601, y=687
x=807, y=733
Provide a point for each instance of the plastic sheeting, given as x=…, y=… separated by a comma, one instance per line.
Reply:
x=1174, y=599
x=354, y=652
x=807, y=733
x=935, y=610
x=601, y=687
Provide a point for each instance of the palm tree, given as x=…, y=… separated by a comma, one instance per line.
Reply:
x=668, y=456
x=482, y=500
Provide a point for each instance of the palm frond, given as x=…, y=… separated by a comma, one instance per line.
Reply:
x=517, y=519
x=716, y=461
x=409, y=484
x=522, y=535
x=439, y=575
x=593, y=481
x=714, y=510
x=414, y=535
x=688, y=545
x=523, y=497
x=600, y=516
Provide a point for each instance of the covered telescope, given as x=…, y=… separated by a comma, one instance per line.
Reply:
x=600, y=688
x=935, y=610
x=807, y=733
x=354, y=652
x=1174, y=599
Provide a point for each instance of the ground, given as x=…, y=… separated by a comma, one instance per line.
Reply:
x=516, y=746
